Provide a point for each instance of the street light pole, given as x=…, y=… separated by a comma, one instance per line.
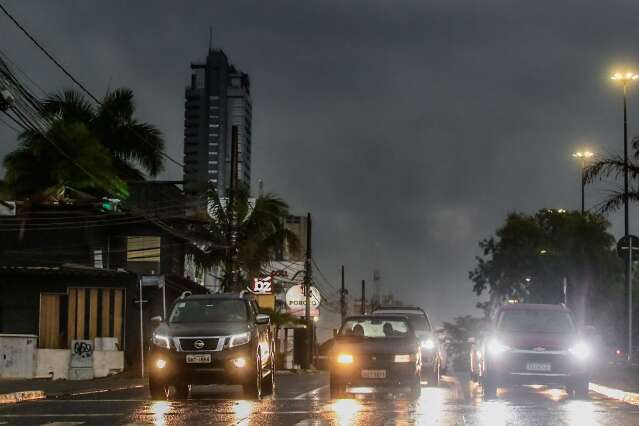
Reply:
x=583, y=156
x=625, y=79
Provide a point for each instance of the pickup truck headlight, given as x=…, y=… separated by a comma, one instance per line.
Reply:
x=428, y=344
x=161, y=341
x=580, y=350
x=239, y=339
x=495, y=347
x=402, y=359
x=344, y=359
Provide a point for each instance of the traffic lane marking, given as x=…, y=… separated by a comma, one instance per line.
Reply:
x=63, y=424
x=11, y=416
x=313, y=392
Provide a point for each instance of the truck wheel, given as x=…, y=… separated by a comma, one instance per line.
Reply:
x=490, y=387
x=182, y=391
x=580, y=388
x=268, y=384
x=158, y=388
x=433, y=376
x=253, y=387
x=338, y=389
x=415, y=390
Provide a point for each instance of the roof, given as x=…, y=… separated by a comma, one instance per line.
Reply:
x=373, y=317
x=65, y=269
x=217, y=296
x=533, y=306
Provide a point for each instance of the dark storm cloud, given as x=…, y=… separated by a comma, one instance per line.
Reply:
x=408, y=128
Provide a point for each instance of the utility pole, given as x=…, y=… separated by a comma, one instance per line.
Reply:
x=308, y=269
x=628, y=277
x=342, y=299
x=233, y=259
x=363, y=297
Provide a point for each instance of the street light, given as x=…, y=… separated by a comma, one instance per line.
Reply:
x=625, y=79
x=583, y=156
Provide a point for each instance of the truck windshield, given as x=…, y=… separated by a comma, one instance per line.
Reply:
x=209, y=310
x=536, y=321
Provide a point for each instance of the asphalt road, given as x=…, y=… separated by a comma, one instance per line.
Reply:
x=304, y=400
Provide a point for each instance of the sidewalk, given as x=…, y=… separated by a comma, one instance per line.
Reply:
x=60, y=388
x=618, y=376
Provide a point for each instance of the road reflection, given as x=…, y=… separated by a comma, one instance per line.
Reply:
x=346, y=411
x=159, y=411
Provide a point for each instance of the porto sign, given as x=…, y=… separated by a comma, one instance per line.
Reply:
x=296, y=301
x=263, y=285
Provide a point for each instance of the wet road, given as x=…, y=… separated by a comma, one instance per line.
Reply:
x=304, y=400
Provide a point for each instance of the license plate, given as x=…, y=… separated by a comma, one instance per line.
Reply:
x=538, y=366
x=374, y=374
x=198, y=358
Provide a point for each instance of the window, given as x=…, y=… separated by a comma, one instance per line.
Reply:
x=378, y=327
x=97, y=259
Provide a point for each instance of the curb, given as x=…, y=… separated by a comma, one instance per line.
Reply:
x=93, y=391
x=14, y=397
x=618, y=394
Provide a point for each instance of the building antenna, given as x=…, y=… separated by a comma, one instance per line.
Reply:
x=210, y=38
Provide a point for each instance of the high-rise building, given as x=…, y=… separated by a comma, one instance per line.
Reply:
x=217, y=99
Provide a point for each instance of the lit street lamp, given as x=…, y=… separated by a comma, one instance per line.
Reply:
x=583, y=156
x=625, y=79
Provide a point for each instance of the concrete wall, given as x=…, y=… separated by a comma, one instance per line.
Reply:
x=107, y=362
x=53, y=363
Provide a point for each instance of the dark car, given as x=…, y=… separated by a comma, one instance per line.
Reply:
x=431, y=347
x=535, y=344
x=378, y=351
x=212, y=339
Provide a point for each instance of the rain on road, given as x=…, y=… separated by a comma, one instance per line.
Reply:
x=304, y=400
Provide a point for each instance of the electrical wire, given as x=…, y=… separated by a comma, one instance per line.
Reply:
x=80, y=85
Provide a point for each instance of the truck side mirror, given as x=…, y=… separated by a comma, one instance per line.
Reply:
x=155, y=321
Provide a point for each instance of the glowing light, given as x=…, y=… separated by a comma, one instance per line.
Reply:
x=316, y=319
x=580, y=350
x=159, y=410
x=555, y=394
x=239, y=362
x=496, y=347
x=345, y=359
x=428, y=344
x=160, y=363
x=242, y=411
x=583, y=154
x=624, y=77
x=402, y=358
x=346, y=410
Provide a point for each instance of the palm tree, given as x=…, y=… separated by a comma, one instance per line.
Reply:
x=260, y=229
x=86, y=147
x=613, y=167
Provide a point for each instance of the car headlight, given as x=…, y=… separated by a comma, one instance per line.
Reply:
x=344, y=359
x=239, y=339
x=402, y=358
x=161, y=341
x=580, y=350
x=428, y=344
x=495, y=347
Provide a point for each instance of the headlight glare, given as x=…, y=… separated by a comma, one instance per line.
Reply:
x=402, y=358
x=161, y=341
x=239, y=339
x=580, y=350
x=345, y=359
x=495, y=347
x=428, y=344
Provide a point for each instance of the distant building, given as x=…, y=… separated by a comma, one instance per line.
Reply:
x=217, y=99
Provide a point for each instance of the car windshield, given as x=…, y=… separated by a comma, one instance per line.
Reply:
x=535, y=321
x=418, y=321
x=376, y=328
x=209, y=310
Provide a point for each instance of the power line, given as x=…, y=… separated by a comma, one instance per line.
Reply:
x=323, y=276
x=80, y=85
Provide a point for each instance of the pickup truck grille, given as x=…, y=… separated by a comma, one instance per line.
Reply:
x=199, y=343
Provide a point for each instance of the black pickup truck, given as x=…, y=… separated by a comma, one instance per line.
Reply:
x=212, y=339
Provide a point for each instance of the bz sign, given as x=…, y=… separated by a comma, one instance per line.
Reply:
x=263, y=285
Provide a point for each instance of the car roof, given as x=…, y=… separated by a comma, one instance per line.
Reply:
x=533, y=306
x=374, y=317
x=216, y=296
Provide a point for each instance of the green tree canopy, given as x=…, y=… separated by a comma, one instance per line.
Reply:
x=530, y=256
x=261, y=233
x=106, y=141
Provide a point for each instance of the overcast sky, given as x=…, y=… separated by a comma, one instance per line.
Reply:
x=408, y=128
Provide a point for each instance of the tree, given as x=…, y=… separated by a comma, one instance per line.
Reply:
x=614, y=167
x=457, y=334
x=261, y=233
x=89, y=148
x=530, y=256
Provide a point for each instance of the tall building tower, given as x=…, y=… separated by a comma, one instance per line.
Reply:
x=217, y=99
